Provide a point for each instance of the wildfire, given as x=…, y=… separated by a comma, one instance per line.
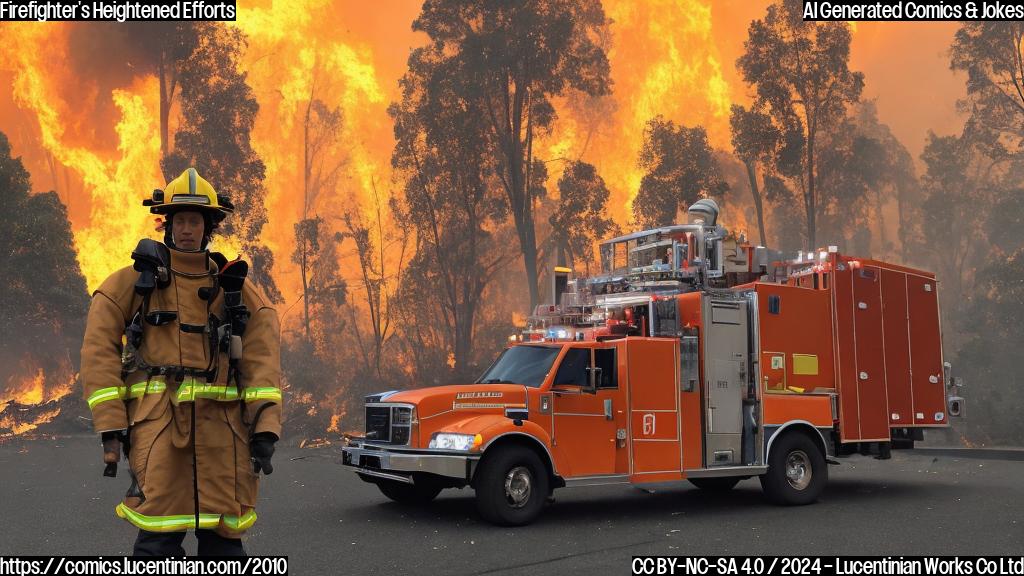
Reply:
x=31, y=398
x=16, y=428
x=113, y=183
x=663, y=61
x=298, y=53
x=334, y=423
x=101, y=146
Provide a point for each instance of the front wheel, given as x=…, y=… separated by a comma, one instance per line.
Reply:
x=408, y=493
x=511, y=486
x=797, y=471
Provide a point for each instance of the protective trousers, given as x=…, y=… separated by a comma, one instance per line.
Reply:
x=169, y=544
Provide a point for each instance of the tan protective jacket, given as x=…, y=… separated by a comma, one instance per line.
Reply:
x=192, y=430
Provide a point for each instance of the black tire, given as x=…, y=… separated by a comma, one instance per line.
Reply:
x=511, y=485
x=797, y=472
x=408, y=493
x=723, y=484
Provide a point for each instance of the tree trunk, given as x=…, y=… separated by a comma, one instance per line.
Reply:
x=464, y=339
x=882, y=239
x=812, y=240
x=519, y=192
x=165, y=108
x=758, y=205
x=903, y=231
x=305, y=288
x=305, y=211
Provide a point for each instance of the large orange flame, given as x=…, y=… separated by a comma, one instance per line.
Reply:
x=30, y=397
x=298, y=52
x=664, y=61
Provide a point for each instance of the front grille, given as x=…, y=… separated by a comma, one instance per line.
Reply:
x=378, y=423
x=388, y=424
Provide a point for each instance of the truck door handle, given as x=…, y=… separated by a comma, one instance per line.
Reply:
x=608, y=409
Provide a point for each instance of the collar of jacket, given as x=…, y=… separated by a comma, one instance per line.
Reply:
x=190, y=263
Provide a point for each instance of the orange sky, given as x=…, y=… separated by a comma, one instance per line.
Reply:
x=671, y=57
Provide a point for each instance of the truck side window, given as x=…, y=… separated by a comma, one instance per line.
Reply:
x=573, y=369
x=604, y=358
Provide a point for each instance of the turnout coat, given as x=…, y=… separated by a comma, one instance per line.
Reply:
x=189, y=437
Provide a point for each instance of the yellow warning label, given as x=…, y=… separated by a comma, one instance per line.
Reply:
x=806, y=364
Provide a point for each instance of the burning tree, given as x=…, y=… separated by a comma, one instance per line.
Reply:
x=800, y=73
x=452, y=207
x=506, y=60
x=218, y=110
x=755, y=140
x=580, y=220
x=680, y=169
x=43, y=299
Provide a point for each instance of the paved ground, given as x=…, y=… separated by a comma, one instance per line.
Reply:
x=53, y=499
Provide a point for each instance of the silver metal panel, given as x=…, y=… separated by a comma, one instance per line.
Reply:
x=725, y=360
x=726, y=471
x=395, y=477
x=448, y=465
x=597, y=480
x=725, y=395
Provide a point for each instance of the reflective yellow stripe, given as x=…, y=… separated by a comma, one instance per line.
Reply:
x=189, y=390
x=148, y=387
x=168, y=523
x=192, y=389
x=253, y=394
x=238, y=524
x=105, y=394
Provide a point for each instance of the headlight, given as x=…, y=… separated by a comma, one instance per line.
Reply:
x=451, y=441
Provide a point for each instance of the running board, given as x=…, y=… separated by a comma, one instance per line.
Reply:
x=602, y=480
x=726, y=471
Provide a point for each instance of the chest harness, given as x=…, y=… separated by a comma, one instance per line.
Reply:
x=152, y=261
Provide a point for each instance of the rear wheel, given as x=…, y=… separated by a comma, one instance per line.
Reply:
x=723, y=484
x=511, y=486
x=408, y=493
x=797, y=472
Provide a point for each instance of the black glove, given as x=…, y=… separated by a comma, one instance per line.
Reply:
x=261, y=447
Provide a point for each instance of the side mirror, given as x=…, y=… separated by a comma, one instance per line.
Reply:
x=594, y=375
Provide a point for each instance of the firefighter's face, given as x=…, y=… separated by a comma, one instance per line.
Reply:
x=187, y=228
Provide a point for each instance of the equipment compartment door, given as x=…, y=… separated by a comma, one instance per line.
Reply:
x=872, y=402
x=725, y=380
x=926, y=352
x=654, y=408
x=897, y=348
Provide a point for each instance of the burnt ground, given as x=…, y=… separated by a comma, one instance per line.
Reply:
x=53, y=500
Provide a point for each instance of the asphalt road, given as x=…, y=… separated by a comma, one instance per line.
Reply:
x=53, y=500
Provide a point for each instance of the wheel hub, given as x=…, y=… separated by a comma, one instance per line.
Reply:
x=518, y=486
x=798, y=469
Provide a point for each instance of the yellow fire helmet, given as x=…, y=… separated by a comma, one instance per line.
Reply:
x=190, y=191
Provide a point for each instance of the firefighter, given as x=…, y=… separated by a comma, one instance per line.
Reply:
x=181, y=370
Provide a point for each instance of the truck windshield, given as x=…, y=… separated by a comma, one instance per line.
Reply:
x=521, y=365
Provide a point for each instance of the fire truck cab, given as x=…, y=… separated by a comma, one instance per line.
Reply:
x=711, y=385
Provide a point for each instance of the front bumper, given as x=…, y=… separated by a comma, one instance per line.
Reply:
x=404, y=464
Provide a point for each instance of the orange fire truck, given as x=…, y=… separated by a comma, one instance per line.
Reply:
x=689, y=357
